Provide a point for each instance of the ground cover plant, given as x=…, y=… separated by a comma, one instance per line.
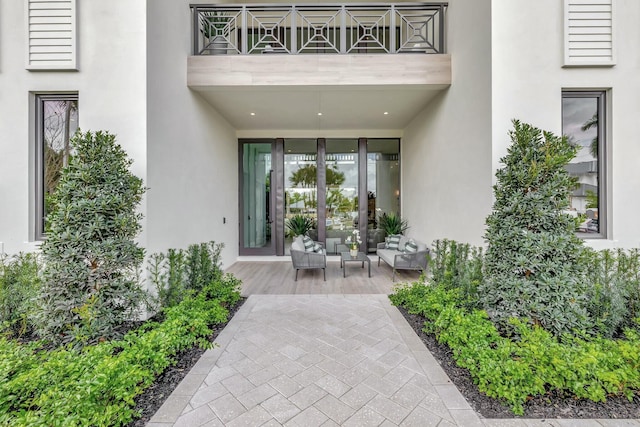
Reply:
x=96, y=385
x=536, y=364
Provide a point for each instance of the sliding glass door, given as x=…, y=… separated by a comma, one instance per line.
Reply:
x=335, y=185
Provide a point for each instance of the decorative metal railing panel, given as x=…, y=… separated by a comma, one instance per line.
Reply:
x=323, y=28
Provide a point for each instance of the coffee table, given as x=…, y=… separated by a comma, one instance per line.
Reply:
x=346, y=257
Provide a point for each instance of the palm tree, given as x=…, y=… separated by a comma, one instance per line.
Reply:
x=592, y=123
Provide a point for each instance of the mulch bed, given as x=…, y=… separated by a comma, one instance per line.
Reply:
x=148, y=403
x=552, y=405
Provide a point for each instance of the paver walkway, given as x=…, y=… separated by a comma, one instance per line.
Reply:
x=312, y=360
x=325, y=360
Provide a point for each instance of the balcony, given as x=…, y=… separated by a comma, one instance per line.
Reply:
x=346, y=58
x=319, y=29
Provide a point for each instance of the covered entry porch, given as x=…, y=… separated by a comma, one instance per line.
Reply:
x=277, y=277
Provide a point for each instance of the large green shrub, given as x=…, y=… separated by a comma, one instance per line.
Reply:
x=90, y=284
x=19, y=285
x=532, y=268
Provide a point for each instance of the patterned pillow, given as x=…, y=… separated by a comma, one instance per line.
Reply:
x=393, y=241
x=411, y=247
x=317, y=248
x=308, y=243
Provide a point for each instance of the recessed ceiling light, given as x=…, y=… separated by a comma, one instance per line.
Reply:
x=386, y=113
x=319, y=114
x=253, y=114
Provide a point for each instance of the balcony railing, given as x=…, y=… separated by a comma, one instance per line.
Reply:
x=319, y=29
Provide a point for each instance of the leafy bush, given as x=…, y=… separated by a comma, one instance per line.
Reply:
x=613, y=291
x=90, y=284
x=536, y=364
x=179, y=273
x=532, y=268
x=97, y=385
x=19, y=285
x=458, y=266
x=299, y=225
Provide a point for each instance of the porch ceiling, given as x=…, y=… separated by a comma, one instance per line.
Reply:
x=298, y=108
x=288, y=91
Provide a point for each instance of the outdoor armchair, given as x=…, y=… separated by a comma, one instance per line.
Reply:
x=307, y=260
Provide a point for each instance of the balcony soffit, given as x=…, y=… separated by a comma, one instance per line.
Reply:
x=288, y=91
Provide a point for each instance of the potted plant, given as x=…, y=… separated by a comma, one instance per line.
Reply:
x=353, y=242
x=299, y=225
x=392, y=224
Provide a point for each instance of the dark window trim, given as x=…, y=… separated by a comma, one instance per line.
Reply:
x=603, y=213
x=40, y=98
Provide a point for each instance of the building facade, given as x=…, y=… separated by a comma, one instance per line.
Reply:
x=240, y=117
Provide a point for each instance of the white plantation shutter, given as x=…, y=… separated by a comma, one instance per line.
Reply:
x=588, y=32
x=51, y=34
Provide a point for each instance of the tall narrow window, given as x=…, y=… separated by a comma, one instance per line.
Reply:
x=56, y=121
x=583, y=121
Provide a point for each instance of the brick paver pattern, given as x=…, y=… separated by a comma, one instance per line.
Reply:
x=316, y=360
x=324, y=360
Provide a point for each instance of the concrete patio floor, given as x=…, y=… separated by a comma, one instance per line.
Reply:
x=324, y=360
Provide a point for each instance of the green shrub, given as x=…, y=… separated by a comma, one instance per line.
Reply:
x=458, y=266
x=532, y=268
x=19, y=285
x=179, y=273
x=613, y=289
x=90, y=284
x=97, y=385
x=536, y=364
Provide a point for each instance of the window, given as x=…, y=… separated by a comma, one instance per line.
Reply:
x=56, y=121
x=583, y=121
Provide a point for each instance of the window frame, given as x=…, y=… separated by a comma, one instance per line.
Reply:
x=39, y=205
x=601, y=99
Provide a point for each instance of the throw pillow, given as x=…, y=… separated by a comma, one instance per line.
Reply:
x=308, y=243
x=411, y=247
x=393, y=241
x=297, y=244
x=317, y=248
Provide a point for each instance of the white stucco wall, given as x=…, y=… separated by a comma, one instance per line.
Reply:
x=528, y=79
x=446, y=149
x=111, y=91
x=192, y=150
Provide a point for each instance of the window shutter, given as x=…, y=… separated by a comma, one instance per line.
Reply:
x=588, y=32
x=51, y=34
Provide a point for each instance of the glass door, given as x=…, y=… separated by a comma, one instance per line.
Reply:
x=257, y=205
